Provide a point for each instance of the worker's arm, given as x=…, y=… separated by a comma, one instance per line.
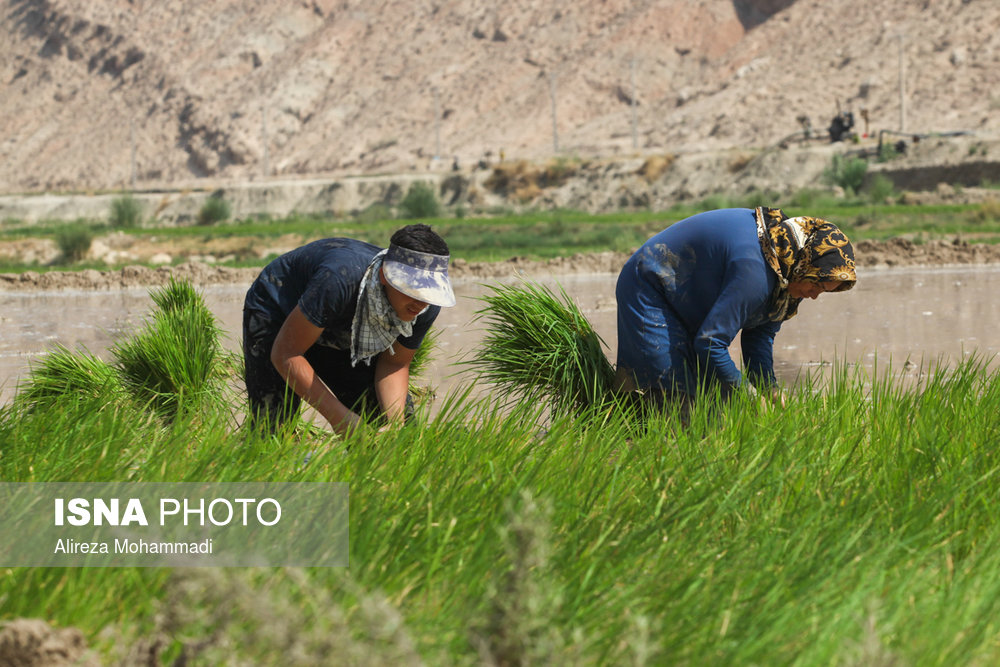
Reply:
x=758, y=361
x=744, y=290
x=296, y=336
x=758, y=354
x=392, y=380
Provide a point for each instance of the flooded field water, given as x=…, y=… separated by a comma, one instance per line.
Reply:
x=892, y=316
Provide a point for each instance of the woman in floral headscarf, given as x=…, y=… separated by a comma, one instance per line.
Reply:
x=686, y=293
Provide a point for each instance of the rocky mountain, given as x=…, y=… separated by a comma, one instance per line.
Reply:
x=106, y=93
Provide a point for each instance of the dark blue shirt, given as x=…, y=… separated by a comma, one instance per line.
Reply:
x=323, y=278
x=710, y=270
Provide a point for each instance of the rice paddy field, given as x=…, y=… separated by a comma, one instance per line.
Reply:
x=551, y=522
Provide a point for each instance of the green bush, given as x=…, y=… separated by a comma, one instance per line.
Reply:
x=713, y=202
x=420, y=202
x=880, y=189
x=805, y=198
x=215, y=209
x=74, y=242
x=847, y=173
x=757, y=198
x=374, y=213
x=126, y=212
x=887, y=151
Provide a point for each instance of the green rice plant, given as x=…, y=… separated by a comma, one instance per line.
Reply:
x=857, y=525
x=63, y=374
x=424, y=354
x=126, y=212
x=176, y=295
x=215, y=209
x=539, y=347
x=74, y=241
x=177, y=356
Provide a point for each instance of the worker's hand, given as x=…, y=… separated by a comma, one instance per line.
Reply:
x=775, y=397
x=349, y=423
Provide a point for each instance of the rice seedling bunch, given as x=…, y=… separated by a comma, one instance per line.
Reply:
x=177, y=355
x=176, y=295
x=539, y=347
x=424, y=355
x=64, y=374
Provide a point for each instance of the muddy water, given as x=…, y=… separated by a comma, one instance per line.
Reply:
x=892, y=315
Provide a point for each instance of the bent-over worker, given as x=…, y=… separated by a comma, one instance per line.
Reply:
x=337, y=322
x=686, y=293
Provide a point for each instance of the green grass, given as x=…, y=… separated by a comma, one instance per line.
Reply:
x=856, y=526
x=559, y=233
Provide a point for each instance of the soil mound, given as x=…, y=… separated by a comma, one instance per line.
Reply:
x=31, y=642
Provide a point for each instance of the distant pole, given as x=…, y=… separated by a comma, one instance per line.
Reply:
x=635, y=103
x=552, y=96
x=437, y=123
x=902, y=87
x=263, y=139
x=131, y=139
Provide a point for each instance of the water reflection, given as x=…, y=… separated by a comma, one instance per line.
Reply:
x=898, y=315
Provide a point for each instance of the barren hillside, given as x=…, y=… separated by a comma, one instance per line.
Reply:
x=94, y=91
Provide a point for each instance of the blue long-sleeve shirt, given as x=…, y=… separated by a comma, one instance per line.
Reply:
x=710, y=271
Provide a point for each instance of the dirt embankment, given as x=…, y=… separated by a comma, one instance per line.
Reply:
x=896, y=252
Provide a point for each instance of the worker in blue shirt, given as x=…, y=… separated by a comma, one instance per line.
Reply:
x=686, y=293
x=337, y=323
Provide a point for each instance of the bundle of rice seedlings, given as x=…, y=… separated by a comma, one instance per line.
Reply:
x=421, y=392
x=424, y=355
x=176, y=295
x=63, y=374
x=539, y=347
x=177, y=354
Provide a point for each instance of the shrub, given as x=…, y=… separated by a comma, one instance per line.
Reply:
x=988, y=211
x=713, y=202
x=374, y=213
x=805, y=198
x=74, y=242
x=887, y=151
x=847, y=173
x=756, y=198
x=215, y=209
x=420, y=202
x=655, y=166
x=880, y=189
x=126, y=212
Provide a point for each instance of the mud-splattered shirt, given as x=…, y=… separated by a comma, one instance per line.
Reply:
x=709, y=273
x=322, y=278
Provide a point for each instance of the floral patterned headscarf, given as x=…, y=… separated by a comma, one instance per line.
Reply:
x=802, y=249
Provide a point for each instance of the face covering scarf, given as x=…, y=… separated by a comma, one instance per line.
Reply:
x=375, y=326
